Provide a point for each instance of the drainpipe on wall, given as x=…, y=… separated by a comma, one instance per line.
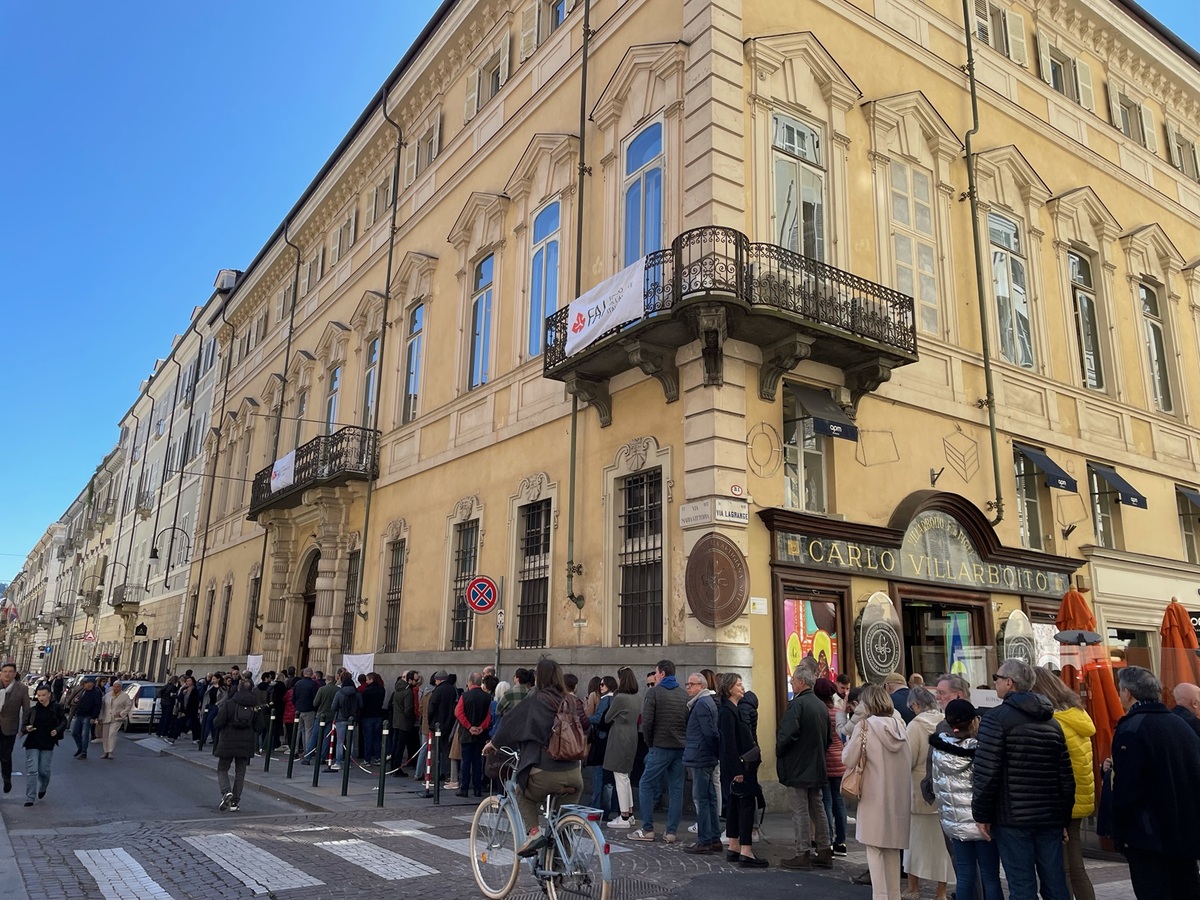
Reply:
x=170, y=434
x=574, y=568
x=383, y=330
x=989, y=401
x=124, y=505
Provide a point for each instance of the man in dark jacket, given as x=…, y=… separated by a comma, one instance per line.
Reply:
x=1024, y=788
x=240, y=719
x=304, y=695
x=166, y=705
x=323, y=705
x=804, y=735
x=43, y=728
x=474, y=714
x=1187, y=705
x=441, y=702
x=664, y=726
x=405, y=723
x=347, y=705
x=1156, y=780
x=87, y=710
x=701, y=753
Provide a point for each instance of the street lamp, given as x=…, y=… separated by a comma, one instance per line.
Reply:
x=154, y=549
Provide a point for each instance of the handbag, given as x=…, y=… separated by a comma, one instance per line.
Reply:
x=852, y=780
x=752, y=757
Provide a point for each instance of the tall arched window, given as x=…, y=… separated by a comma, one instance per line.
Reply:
x=643, y=193
x=543, y=281
x=481, y=323
x=412, y=362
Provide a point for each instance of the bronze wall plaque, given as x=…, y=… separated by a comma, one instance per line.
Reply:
x=716, y=581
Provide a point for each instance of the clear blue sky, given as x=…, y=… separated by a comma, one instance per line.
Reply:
x=145, y=146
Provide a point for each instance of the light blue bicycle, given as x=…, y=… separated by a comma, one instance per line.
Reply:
x=574, y=864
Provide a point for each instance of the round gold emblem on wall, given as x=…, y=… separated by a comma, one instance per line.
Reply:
x=716, y=581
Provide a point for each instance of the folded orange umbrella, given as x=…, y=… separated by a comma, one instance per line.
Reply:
x=1179, y=661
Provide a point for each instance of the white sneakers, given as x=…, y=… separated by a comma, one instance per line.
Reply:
x=226, y=801
x=621, y=822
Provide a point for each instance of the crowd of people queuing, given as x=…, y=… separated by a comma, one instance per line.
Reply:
x=943, y=792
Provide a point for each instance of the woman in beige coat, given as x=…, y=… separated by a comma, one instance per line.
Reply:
x=114, y=710
x=886, y=801
x=926, y=857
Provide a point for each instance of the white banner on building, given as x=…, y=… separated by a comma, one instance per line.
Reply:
x=283, y=473
x=358, y=663
x=612, y=302
x=254, y=665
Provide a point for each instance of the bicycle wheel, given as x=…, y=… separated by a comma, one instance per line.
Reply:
x=494, y=848
x=580, y=873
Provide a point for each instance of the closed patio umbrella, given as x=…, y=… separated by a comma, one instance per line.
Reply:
x=1091, y=676
x=1179, y=660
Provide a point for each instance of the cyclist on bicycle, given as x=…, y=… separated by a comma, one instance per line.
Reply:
x=529, y=726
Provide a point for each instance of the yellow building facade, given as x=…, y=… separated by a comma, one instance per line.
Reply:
x=791, y=452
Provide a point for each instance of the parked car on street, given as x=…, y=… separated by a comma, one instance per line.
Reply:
x=144, y=695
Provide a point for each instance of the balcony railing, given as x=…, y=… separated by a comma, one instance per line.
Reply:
x=349, y=454
x=716, y=262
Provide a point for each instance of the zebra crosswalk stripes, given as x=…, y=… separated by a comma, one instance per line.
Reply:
x=119, y=876
x=377, y=860
x=254, y=867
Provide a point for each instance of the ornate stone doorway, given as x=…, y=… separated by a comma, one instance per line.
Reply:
x=309, y=611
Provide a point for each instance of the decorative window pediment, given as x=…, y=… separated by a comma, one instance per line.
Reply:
x=368, y=314
x=299, y=373
x=331, y=348
x=546, y=168
x=480, y=225
x=1080, y=217
x=272, y=390
x=414, y=277
x=1006, y=178
x=792, y=64
x=1151, y=252
x=648, y=78
x=908, y=125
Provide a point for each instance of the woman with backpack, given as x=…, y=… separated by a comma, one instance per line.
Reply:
x=530, y=726
x=239, y=721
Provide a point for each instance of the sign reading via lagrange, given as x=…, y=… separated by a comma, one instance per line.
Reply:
x=935, y=549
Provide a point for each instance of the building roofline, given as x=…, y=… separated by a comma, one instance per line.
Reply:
x=1178, y=44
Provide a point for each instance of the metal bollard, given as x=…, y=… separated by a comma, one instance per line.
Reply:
x=437, y=766
x=269, y=746
x=382, y=766
x=346, y=757
x=292, y=747
x=317, y=745
x=428, y=792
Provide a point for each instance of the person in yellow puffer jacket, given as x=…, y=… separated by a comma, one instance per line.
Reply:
x=1078, y=729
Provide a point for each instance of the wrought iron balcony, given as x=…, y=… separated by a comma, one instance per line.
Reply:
x=349, y=454
x=714, y=283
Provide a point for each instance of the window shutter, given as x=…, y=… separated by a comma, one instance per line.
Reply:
x=354, y=226
x=1149, y=140
x=410, y=162
x=570, y=6
x=1114, y=103
x=1173, y=146
x=1084, y=93
x=1014, y=24
x=1195, y=162
x=321, y=264
x=472, y=103
x=983, y=21
x=435, y=139
x=529, y=29
x=505, y=43
x=304, y=279
x=1043, y=48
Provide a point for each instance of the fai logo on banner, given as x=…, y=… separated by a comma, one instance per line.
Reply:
x=608, y=305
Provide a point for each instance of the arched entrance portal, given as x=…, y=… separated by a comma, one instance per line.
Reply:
x=310, y=609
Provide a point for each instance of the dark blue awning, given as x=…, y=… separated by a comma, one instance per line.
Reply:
x=1055, y=476
x=1126, y=493
x=828, y=418
x=1192, y=495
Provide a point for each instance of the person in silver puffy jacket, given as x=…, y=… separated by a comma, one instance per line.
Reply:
x=976, y=859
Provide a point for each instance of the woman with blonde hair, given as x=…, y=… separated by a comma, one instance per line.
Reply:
x=1078, y=729
x=885, y=800
x=926, y=857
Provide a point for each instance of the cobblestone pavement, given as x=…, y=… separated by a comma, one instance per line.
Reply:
x=336, y=847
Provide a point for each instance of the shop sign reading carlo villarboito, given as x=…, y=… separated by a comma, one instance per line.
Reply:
x=935, y=549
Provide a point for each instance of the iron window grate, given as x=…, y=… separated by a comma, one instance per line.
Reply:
x=350, y=607
x=640, y=560
x=466, y=557
x=533, y=605
x=395, y=590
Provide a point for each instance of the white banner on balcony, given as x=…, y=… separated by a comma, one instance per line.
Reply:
x=611, y=303
x=283, y=473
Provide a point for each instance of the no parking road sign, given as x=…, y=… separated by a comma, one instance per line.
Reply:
x=482, y=594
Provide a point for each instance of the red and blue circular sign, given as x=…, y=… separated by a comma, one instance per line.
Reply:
x=482, y=594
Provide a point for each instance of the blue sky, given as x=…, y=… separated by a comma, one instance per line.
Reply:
x=147, y=145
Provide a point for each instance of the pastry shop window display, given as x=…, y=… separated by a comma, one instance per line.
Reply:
x=811, y=631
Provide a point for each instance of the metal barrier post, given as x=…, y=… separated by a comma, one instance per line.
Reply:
x=292, y=747
x=318, y=749
x=346, y=757
x=383, y=761
x=428, y=741
x=437, y=766
x=269, y=746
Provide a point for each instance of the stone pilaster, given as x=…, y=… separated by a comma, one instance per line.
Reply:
x=714, y=174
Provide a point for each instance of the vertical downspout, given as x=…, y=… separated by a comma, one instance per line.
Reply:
x=212, y=485
x=145, y=451
x=125, y=501
x=383, y=330
x=989, y=401
x=179, y=491
x=287, y=361
x=170, y=434
x=572, y=567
